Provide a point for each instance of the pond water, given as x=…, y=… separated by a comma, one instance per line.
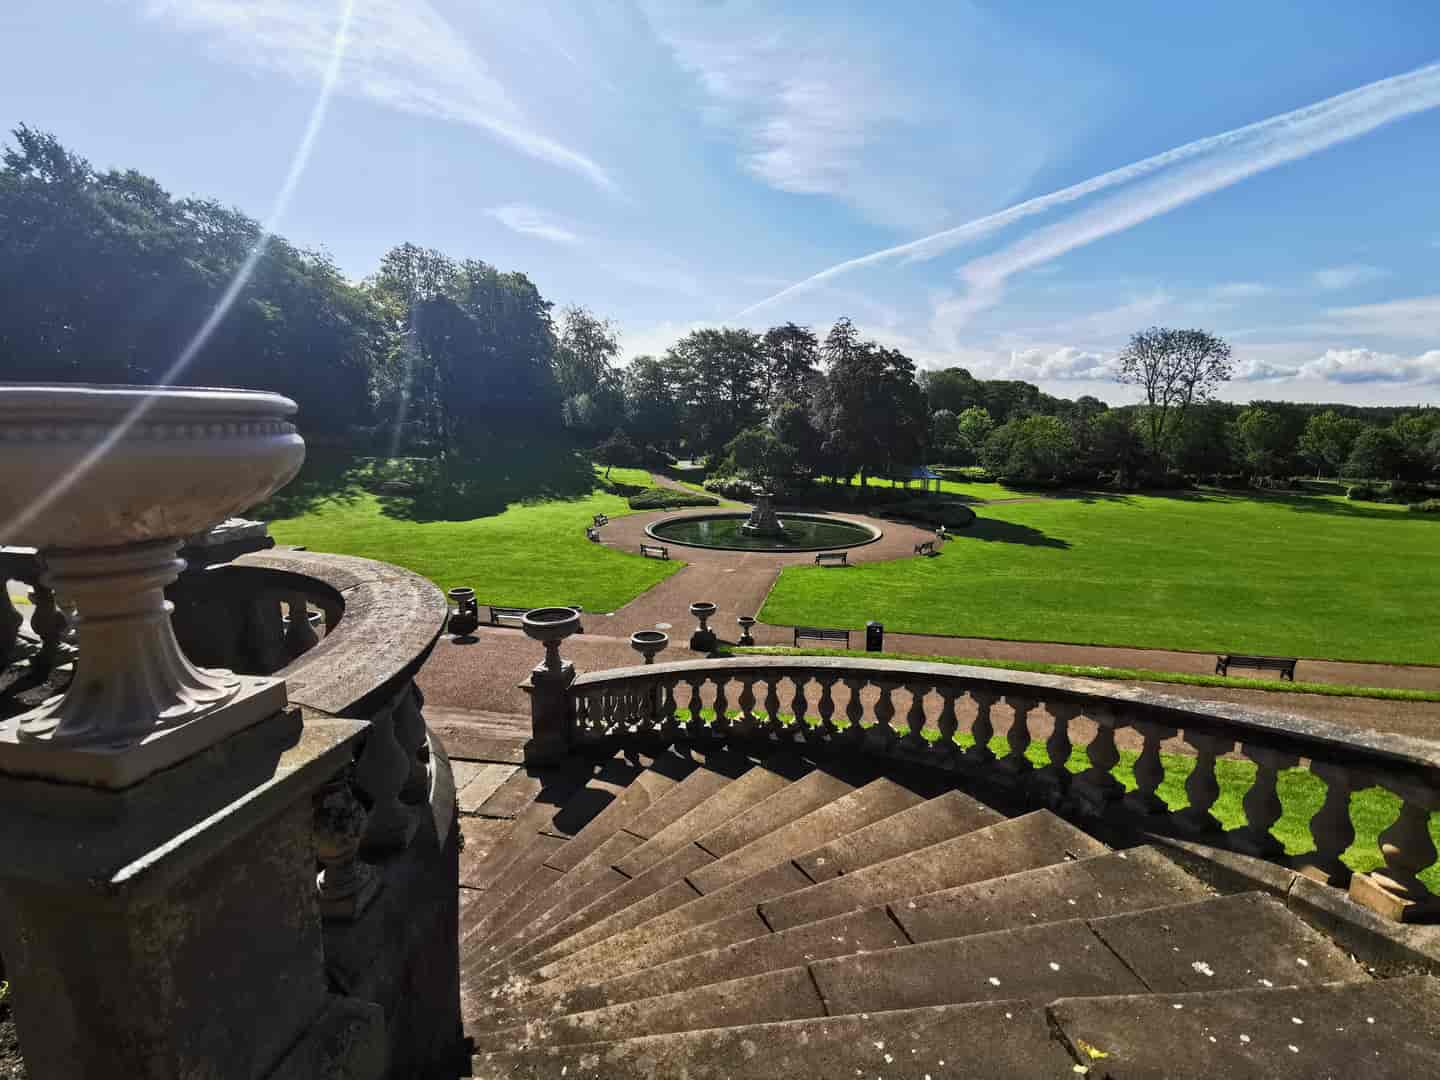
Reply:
x=802, y=533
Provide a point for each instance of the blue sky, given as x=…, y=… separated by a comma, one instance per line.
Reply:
x=1042, y=168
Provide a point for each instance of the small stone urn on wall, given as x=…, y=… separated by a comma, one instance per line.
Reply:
x=465, y=619
x=703, y=639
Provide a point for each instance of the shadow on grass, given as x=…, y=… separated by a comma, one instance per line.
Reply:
x=993, y=530
x=462, y=489
x=327, y=476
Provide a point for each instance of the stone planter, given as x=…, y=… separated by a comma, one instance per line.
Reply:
x=106, y=481
x=550, y=626
x=746, y=622
x=649, y=643
x=465, y=619
x=703, y=640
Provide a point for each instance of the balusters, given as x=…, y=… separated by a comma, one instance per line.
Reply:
x=1262, y=803
x=854, y=711
x=772, y=701
x=882, y=732
x=825, y=708
x=800, y=706
x=345, y=884
x=1052, y=781
x=915, y=719
x=1408, y=849
x=10, y=623
x=1149, y=770
x=669, y=726
x=980, y=755
x=410, y=734
x=1202, y=786
x=1331, y=827
x=721, y=724
x=380, y=773
x=696, y=724
x=265, y=631
x=948, y=723
x=1092, y=791
x=746, y=721
x=1015, y=763
x=49, y=624
x=300, y=636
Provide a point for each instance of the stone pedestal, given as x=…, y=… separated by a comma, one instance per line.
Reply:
x=552, y=713
x=171, y=929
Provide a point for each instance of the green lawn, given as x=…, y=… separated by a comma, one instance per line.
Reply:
x=518, y=553
x=1314, y=576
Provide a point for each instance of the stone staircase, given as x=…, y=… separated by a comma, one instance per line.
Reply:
x=703, y=914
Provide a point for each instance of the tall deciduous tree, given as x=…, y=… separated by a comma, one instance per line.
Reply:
x=1176, y=369
x=719, y=373
x=789, y=361
x=1328, y=439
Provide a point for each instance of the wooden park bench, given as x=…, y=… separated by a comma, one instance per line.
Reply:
x=925, y=547
x=601, y=519
x=833, y=557
x=816, y=633
x=500, y=614
x=1285, y=665
x=655, y=551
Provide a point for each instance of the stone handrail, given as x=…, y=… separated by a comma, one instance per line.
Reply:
x=909, y=710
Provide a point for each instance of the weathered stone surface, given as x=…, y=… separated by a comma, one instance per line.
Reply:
x=501, y=872
x=751, y=789
x=475, y=736
x=624, y=950
x=1382, y=1030
x=1231, y=942
x=642, y=795
x=930, y=822
x=476, y=781
x=718, y=772
x=1038, y=963
x=777, y=995
x=876, y=800
x=985, y=1041
x=1037, y=839
x=786, y=805
x=1080, y=889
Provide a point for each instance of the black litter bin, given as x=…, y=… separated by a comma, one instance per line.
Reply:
x=874, y=637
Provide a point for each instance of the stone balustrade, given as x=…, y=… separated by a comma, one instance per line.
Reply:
x=919, y=712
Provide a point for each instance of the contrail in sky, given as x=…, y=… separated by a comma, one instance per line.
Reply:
x=1246, y=150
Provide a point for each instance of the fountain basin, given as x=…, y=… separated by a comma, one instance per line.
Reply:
x=727, y=532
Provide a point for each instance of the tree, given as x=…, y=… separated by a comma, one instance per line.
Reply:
x=1261, y=442
x=972, y=428
x=1378, y=454
x=1035, y=448
x=760, y=455
x=789, y=360
x=1176, y=369
x=793, y=425
x=953, y=388
x=651, y=409
x=869, y=405
x=591, y=389
x=1328, y=439
x=1415, y=433
x=719, y=385
x=1115, y=446
x=944, y=437
x=616, y=450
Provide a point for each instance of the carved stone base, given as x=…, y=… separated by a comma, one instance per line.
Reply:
x=1367, y=891
x=120, y=765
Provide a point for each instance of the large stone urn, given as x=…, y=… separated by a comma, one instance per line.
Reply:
x=106, y=481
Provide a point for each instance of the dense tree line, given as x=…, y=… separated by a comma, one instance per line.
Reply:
x=106, y=277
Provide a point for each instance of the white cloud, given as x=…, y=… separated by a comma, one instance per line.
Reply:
x=1158, y=184
x=1368, y=366
x=1240, y=290
x=1416, y=317
x=529, y=221
x=1346, y=277
x=403, y=55
x=1065, y=364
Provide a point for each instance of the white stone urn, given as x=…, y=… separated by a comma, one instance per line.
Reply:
x=106, y=481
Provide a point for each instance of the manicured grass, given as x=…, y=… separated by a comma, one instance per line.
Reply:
x=1301, y=794
x=527, y=554
x=1302, y=575
x=1097, y=671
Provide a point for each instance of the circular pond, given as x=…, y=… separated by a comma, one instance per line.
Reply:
x=802, y=532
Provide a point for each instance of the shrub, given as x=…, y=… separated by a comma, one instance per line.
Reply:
x=661, y=498
x=1368, y=492
x=975, y=474
x=730, y=487
x=1429, y=506
x=933, y=511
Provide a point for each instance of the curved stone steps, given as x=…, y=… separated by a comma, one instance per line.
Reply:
x=741, y=919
